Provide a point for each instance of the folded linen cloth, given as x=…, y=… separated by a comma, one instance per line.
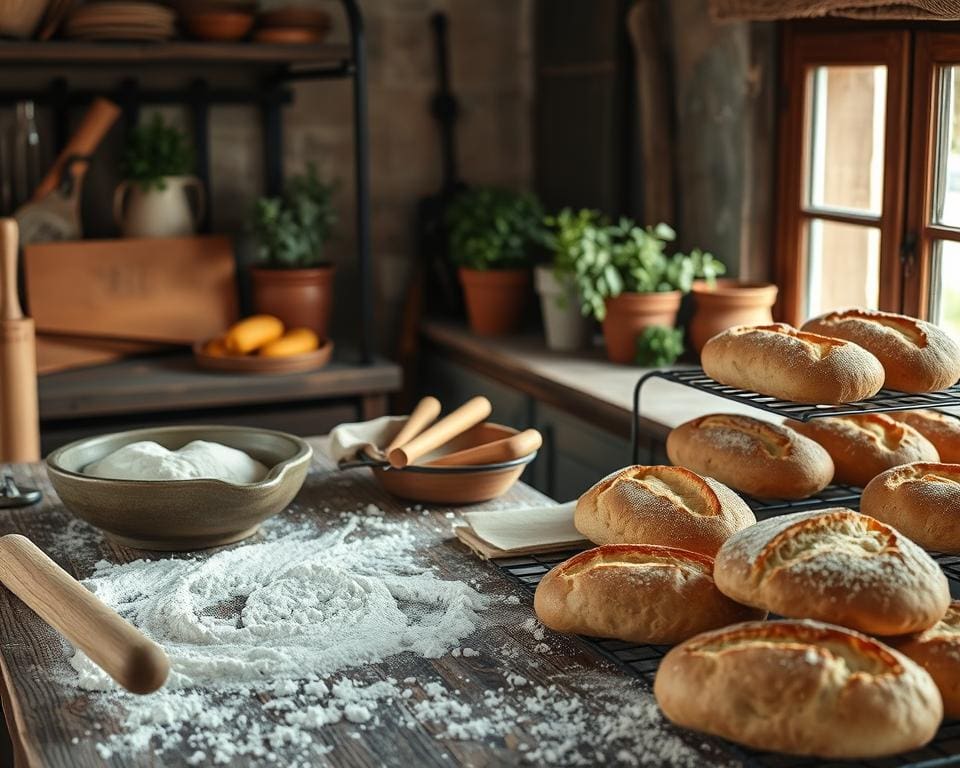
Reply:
x=511, y=532
x=346, y=441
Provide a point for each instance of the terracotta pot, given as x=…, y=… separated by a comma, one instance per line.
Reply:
x=301, y=298
x=727, y=304
x=629, y=313
x=495, y=298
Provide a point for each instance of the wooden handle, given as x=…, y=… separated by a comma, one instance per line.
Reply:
x=423, y=416
x=505, y=449
x=459, y=421
x=94, y=126
x=9, y=300
x=129, y=657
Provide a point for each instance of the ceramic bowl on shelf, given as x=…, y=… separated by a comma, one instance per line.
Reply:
x=307, y=361
x=218, y=25
x=180, y=515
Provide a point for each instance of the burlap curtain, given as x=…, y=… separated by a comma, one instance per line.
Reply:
x=928, y=10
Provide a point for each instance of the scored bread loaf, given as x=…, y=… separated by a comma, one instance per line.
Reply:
x=767, y=460
x=780, y=361
x=636, y=593
x=671, y=506
x=834, y=565
x=865, y=445
x=937, y=650
x=799, y=687
x=939, y=428
x=920, y=500
x=916, y=356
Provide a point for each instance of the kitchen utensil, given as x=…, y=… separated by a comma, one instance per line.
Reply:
x=165, y=290
x=18, y=18
x=180, y=515
x=222, y=25
x=463, y=418
x=287, y=36
x=13, y=496
x=308, y=361
x=506, y=449
x=422, y=416
x=156, y=212
x=127, y=655
x=19, y=419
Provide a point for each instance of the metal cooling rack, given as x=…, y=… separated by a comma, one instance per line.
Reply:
x=832, y=496
x=643, y=660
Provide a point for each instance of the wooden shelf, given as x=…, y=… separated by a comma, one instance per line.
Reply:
x=174, y=51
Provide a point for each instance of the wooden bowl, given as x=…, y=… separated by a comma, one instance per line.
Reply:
x=288, y=36
x=294, y=16
x=223, y=26
x=308, y=361
x=456, y=485
x=180, y=515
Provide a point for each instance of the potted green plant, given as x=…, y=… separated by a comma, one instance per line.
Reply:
x=294, y=279
x=152, y=201
x=627, y=280
x=721, y=304
x=493, y=233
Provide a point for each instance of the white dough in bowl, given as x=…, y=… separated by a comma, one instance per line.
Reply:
x=147, y=460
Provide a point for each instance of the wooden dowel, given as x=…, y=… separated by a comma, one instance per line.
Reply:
x=505, y=449
x=459, y=421
x=423, y=416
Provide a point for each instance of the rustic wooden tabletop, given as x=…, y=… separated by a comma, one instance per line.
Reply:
x=521, y=695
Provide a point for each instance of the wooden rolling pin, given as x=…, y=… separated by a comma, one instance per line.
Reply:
x=423, y=416
x=506, y=449
x=455, y=423
x=129, y=657
x=19, y=418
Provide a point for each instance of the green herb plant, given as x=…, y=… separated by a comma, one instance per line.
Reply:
x=293, y=229
x=493, y=228
x=658, y=345
x=154, y=151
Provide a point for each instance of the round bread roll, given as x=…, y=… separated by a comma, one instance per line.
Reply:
x=921, y=500
x=937, y=650
x=834, y=565
x=916, y=356
x=863, y=446
x=939, y=428
x=670, y=506
x=799, y=687
x=780, y=361
x=636, y=593
x=767, y=460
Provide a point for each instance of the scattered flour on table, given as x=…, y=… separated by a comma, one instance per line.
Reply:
x=147, y=460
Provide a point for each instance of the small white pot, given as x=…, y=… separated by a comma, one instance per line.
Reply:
x=158, y=212
x=566, y=328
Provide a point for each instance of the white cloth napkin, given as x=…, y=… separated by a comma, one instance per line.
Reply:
x=514, y=530
x=346, y=441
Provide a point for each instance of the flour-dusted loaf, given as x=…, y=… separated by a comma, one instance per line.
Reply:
x=799, y=687
x=865, y=445
x=920, y=500
x=834, y=565
x=767, y=460
x=917, y=356
x=636, y=593
x=780, y=361
x=939, y=428
x=937, y=650
x=671, y=506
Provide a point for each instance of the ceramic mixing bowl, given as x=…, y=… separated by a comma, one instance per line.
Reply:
x=178, y=515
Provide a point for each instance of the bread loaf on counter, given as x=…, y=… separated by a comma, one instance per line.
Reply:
x=937, y=650
x=940, y=429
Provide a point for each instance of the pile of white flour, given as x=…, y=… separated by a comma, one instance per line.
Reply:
x=147, y=460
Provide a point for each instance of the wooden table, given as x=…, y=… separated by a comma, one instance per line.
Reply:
x=53, y=724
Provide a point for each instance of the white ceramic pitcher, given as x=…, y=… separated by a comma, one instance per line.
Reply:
x=158, y=212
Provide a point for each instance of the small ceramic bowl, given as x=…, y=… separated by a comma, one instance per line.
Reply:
x=222, y=26
x=180, y=515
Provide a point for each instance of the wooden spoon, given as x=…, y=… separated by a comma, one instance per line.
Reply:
x=506, y=449
x=126, y=654
x=455, y=423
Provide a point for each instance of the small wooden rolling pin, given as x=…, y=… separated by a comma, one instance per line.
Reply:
x=423, y=416
x=467, y=415
x=128, y=656
x=506, y=449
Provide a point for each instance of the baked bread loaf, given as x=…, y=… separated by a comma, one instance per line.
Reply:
x=637, y=593
x=939, y=428
x=834, y=565
x=780, y=361
x=865, y=445
x=921, y=500
x=767, y=460
x=799, y=687
x=670, y=506
x=937, y=650
x=916, y=356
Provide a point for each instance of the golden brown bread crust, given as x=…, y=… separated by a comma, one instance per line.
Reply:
x=636, y=593
x=782, y=362
x=864, y=446
x=916, y=356
x=834, y=565
x=939, y=428
x=799, y=687
x=937, y=650
x=671, y=506
x=766, y=460
x=920, y=500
